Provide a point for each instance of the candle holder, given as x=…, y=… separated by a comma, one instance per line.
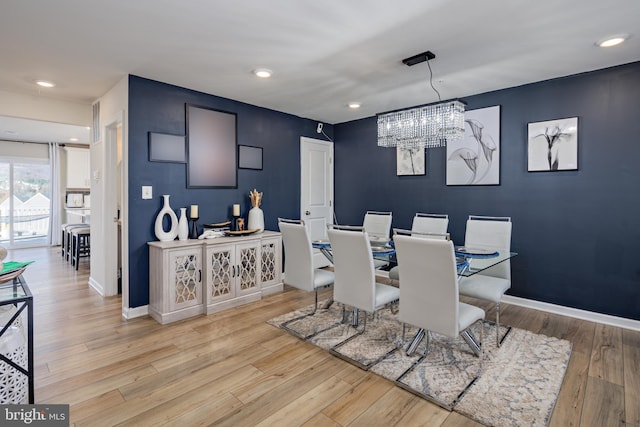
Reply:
x=235, y=224
x=193, y=234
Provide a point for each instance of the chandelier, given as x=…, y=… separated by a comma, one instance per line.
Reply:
x=427, y=126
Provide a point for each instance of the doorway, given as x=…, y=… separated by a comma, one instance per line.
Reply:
x=114, y=217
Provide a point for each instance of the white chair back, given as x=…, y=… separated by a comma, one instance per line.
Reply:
x=430, y=223
x=355, y=278
x=377, y=224
x=490, y=233
x=298, y=260
x=429, y=289
x=424, y=235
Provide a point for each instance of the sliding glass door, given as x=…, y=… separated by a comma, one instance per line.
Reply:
x=24, y=202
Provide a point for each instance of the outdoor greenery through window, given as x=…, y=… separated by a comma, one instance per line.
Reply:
x=24, y=202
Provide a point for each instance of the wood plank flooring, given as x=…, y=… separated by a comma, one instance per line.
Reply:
x=232, y=369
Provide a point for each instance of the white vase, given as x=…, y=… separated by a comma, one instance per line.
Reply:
x=183, y=225
x=162, y=235
x=256, y=219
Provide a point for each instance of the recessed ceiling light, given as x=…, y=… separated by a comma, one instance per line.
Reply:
x=45, y=83
x=613, y=40
x=354, y=105
x=263, y=73
x=73, y=139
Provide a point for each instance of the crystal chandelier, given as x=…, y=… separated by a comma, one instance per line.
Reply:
x=427, y=126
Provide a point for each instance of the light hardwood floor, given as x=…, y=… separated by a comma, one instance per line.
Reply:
x=233, y=369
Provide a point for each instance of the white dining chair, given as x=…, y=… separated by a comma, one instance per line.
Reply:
x=298, y=263
x=429, y=296
x=378, y=226
x=426, y=224
x=355, y=278
x=492, y=233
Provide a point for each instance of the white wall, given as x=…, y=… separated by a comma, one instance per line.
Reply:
x=41, y=108
x=24, y=150
x=113, y=105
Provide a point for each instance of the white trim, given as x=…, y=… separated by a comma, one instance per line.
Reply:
x=96, y=286
x=606, y=319
x=131, y=313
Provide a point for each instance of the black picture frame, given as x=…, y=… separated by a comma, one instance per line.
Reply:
x=212, y=148
x=167, y=148
x=552, y=145
x=249, y=157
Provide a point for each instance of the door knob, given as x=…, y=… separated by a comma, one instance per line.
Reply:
x=307, y=213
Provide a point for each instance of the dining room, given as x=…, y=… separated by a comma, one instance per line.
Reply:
x=555, y=153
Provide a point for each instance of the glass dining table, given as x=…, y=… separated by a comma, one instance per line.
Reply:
x=469, y=261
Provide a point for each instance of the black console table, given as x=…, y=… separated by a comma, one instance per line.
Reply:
x=17, y=293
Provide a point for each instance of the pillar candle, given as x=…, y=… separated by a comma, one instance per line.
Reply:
x=236, y=210
x=194, y=211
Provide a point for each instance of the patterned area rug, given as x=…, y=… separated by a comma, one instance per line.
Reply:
x=515, y=384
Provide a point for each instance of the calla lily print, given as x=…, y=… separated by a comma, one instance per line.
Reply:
x=475, y=159
x=553, y=145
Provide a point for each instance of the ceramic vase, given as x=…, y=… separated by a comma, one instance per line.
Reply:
x=256, y=219
x=162, y=235
x=183, y=225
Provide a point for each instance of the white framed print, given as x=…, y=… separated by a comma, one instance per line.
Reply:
x=475, y=160
x=410, y=161
x=553, y=145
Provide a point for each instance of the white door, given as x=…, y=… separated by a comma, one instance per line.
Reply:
x=316, y=190
x=113, y=215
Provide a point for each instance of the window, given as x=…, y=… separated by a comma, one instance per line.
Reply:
x=24, y=202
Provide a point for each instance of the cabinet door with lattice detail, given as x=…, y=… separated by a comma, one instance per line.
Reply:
x=220, y=271
x=185, y=278
x=270, y=261
x=247, y=265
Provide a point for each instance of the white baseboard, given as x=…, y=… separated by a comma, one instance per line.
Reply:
x=592, y=316
x=96, y=286
x=132, y=313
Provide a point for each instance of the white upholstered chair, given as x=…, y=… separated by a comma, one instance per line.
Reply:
x=492, y=233
x=429, y=295
x=298, y=261
x=426, y=224
x=378, y=226
x=355, y=279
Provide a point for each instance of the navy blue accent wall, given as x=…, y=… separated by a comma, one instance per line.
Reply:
x=577, y=232
x=159, y=107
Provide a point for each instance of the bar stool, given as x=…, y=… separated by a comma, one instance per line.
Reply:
x=66, y=238
x=80, y=244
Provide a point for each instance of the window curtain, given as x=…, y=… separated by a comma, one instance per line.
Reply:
x=54, y=203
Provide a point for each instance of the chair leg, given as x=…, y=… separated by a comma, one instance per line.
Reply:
x=417, y=338
x=472, y=342
x=498, y=324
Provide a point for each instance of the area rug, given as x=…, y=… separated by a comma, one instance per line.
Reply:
x=515, y=384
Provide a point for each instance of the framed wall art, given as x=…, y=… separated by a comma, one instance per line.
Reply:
x=249, y=157
x=410, y=161
x=475, y=160
x=553, y=145
x=167, y=148
x=212, y=148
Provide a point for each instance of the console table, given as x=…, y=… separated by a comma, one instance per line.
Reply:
x=16, y=293
x=191, y=277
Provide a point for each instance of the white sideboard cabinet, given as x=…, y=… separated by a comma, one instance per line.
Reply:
x=191, y=277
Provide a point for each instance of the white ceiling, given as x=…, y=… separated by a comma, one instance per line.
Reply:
x=324, y=53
